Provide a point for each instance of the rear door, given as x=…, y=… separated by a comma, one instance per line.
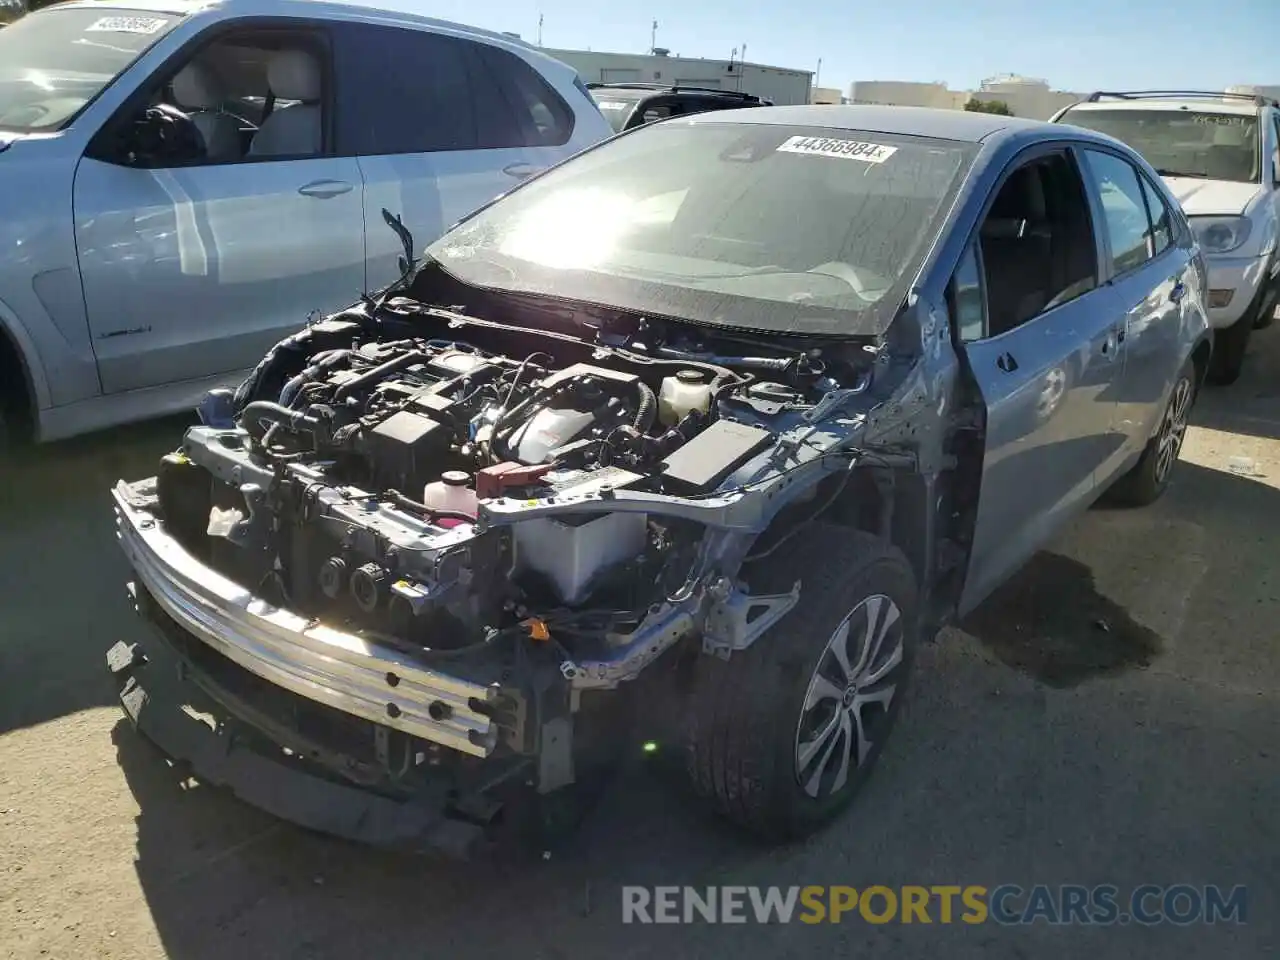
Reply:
x=1148, y=267
x=1035, y=328
x=441, y=124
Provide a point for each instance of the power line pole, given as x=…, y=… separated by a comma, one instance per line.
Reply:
x=539, y=29
x=653, y=37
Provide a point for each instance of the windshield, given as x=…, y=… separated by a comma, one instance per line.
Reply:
x=1183, y=143
x=615, y=108
x=782, y=228
x=54, y=62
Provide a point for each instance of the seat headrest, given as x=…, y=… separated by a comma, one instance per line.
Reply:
x=196, y=88
x=294, y=75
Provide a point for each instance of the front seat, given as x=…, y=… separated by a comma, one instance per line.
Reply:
x=293, y=130
x=196, y=91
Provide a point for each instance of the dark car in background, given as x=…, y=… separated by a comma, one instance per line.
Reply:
x=628, y=105
x=11, y=10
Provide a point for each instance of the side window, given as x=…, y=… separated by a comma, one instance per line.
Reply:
x=1275, y=156
x=968, y=306
x=251, y=95
x=543, y=118
x=405, y=91
x=1124, y=209
x=1161, y=232
x=1036, y=243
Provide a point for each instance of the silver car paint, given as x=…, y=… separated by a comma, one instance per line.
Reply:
x=185, y=284
x=1066, y=423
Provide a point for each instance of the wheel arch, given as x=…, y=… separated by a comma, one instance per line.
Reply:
x=22, y=386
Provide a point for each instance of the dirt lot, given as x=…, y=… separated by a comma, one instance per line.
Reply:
x=1111, y=717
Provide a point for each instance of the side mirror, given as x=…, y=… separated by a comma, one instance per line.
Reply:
x=162, y=136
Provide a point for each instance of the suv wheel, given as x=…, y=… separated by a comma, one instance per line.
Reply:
x=1229, y=347
x=782, y=735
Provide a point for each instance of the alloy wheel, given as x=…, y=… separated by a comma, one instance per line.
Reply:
x=848, y=698
x=1173, y=429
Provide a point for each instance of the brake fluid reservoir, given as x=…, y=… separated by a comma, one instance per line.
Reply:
x=688, y=390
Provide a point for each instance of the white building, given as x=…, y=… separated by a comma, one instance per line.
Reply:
x=779, y=84
x=827, y=95
x=907, y=93
x=1025, y=96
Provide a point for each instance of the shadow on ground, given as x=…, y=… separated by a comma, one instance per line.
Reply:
x=1252, y=405
x=1051, y=622
x=63, y=600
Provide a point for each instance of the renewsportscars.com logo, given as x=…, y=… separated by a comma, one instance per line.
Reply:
x=1148, y=904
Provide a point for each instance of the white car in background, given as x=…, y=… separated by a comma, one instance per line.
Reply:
x=183, y=183
x=1220, y=155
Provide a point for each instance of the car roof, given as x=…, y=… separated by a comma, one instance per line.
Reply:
x=319, y=10
x=919, y=121
x=1237, y=106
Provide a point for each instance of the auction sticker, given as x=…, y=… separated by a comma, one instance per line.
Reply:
x=143, y=25
x=847, y=149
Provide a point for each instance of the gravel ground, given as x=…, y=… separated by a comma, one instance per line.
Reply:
x=1109, y=717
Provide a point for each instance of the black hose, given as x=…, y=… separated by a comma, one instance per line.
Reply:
x=319, y=364
x=255, y=414
x=648, y=409
x=431, y=513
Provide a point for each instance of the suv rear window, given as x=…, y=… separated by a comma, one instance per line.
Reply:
x=1183, y=143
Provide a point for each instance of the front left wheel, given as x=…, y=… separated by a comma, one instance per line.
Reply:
x=782, y=736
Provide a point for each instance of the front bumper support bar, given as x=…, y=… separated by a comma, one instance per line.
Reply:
x=331, y=667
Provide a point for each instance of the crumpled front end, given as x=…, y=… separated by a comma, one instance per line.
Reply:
x=409, y=576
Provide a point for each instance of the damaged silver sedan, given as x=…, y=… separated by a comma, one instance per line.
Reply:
x=698, y=434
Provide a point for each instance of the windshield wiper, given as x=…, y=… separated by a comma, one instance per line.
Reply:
x=1182, y=173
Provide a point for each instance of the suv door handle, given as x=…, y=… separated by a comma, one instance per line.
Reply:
x=1178, y=292
x=324, y=189
x=520, y=169
x=1007, y=362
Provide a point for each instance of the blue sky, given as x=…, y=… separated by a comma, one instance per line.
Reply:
x=1075, y=44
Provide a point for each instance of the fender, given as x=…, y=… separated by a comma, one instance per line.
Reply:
x=37, y=384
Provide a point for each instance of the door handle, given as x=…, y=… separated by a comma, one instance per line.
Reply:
x=1007, y=362
x=1109, y=342
x=1178, y=292
x=520, y=170
x=324, y=189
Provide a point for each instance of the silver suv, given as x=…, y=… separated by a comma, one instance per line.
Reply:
x=1220, y=155
x=184, y=183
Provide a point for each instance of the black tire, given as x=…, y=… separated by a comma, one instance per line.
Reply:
x=1148, y=480
x=1229, y=348
x=746, y=716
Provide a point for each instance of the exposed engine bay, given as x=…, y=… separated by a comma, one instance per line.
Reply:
x=527, y=512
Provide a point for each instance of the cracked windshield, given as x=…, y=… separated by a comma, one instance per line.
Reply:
x=690, y=480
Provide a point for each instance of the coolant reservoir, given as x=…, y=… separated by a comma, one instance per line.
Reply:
x=688, y=390
x=451, y=492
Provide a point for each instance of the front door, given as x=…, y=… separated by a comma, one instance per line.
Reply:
x=194, y=269
x=1039, y=337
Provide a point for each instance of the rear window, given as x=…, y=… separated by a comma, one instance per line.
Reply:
x=615, y=106
x=751, y=225
x=1183, y=143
